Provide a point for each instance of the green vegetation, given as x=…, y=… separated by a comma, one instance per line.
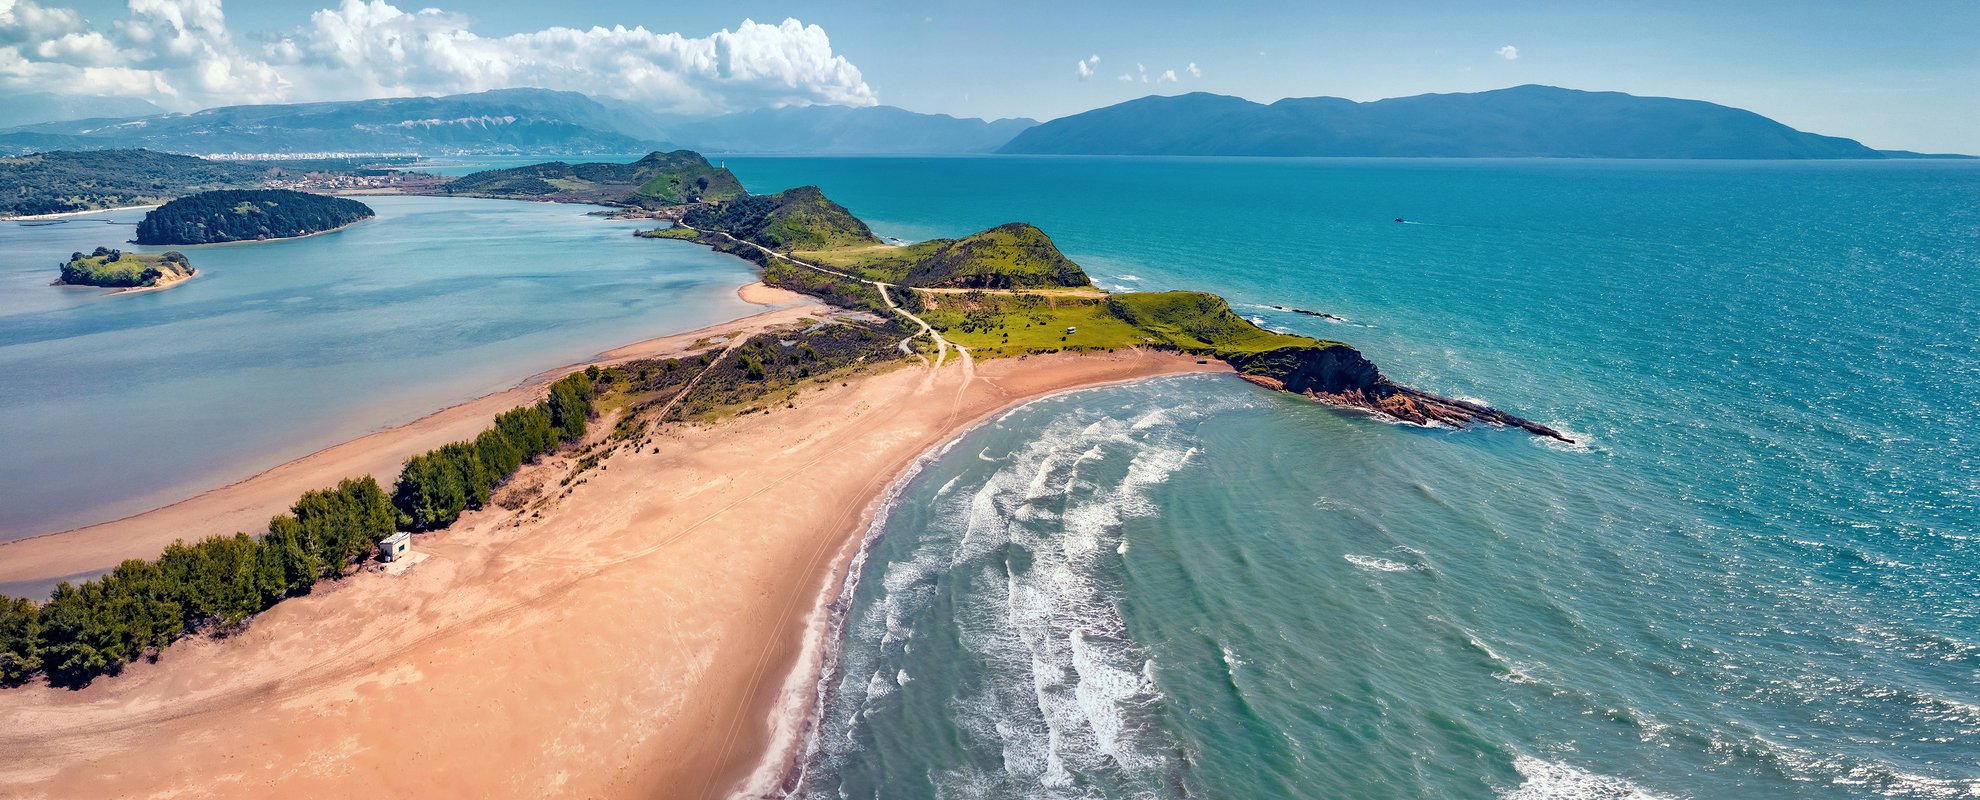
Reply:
x=793, y=219
x=61, y=181
x=842, y=292
x=684, y=234
x=95, y=628
x=660, y=179
x=235, y=215
x=117, y=269
x=995, y=324
x=216, y=583
x=436, y=486
x=1010, y=256
x=1199, y=322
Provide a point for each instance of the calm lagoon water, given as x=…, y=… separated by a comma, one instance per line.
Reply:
x=115, y=404
x=1759, y=579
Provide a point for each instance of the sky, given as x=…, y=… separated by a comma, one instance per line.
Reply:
x=1902, y=75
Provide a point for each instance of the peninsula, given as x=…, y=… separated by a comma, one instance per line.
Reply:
x=246, y=215
x=1011, y=280
x=116, y=269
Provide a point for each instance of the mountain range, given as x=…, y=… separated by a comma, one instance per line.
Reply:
x=1519, y=122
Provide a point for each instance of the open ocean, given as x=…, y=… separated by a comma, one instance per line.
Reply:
x=1758, y=579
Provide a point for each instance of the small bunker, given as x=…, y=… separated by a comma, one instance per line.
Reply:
x=395, y=547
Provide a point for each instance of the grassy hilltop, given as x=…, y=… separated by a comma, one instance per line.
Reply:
x=658, y=180
x=1010, y=256
x=800, y=219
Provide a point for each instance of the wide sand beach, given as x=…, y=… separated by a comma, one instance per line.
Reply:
x=636, y=635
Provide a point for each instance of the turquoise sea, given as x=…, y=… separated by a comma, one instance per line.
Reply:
x=1759, y=578
x=115, y=404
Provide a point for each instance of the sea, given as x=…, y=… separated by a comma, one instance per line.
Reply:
x=1755, y=574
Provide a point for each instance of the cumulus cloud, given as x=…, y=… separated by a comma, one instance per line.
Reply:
x=1167, y=76
x=1086, y=65
x=1508, y=52
x=182, y=54
x=1193, y=71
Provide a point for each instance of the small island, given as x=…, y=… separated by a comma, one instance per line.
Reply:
x=247, y=215
x=116, y=269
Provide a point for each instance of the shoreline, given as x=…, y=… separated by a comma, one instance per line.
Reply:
x=806, y=687
x=246, y=503
x=68, y=214
x=636, y=633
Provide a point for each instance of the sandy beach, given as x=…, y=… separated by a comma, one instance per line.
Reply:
x=633, y=636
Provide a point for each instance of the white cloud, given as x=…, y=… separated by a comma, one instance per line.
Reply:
x=1193, y=71
x=1086, y=65
x=1127, y=76
x=1167, y=76
x=182, y=54
x=1508, y=52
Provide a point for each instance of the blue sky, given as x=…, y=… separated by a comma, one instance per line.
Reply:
x=1895, y=75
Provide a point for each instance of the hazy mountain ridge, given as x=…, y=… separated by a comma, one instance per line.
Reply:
x=1520, y=122
x=503, y=121
x=846, y=130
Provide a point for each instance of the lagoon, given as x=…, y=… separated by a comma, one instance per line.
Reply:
x=111, y=405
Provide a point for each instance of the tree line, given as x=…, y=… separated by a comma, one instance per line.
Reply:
x=83, y=631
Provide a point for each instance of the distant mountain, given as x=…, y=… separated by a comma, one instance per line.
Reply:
x=498, y=122
x=1521, y=122
x=38, y=107
x=845, y=130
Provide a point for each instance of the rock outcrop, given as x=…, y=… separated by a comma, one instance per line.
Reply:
x=1340, y=375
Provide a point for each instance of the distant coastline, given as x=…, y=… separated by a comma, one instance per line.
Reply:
x=67, y=214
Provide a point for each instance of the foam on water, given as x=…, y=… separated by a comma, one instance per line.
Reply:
x=1553, y=780
x=1062, y=692
x=1376, y=564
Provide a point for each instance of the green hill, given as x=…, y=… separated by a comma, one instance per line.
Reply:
x=659, y=179
x=790, y=220
x=117, y=269
x=239, y=215
x=1011, y=256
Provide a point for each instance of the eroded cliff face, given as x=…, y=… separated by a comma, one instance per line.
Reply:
x=1341, y=375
